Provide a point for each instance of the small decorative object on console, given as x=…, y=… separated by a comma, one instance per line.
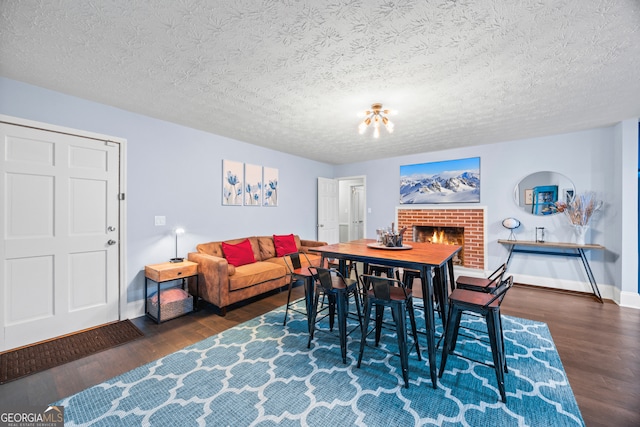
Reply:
x=511, y=224
x=579, y=209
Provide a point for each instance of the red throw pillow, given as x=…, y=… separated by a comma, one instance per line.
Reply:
x=239, y=254
x=285, y=244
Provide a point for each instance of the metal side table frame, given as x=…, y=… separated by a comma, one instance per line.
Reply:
x=530, y=247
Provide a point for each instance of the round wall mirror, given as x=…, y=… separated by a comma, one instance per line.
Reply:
x=537, y=193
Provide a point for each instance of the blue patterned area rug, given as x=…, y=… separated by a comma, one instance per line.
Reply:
x=262, y=374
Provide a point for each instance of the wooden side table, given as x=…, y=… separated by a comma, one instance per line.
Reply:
x=166, y=272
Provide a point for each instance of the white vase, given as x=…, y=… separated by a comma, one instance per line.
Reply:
x=580, y=231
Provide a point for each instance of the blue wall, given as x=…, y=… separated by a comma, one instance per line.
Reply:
x=175, y=171
x=502, y=166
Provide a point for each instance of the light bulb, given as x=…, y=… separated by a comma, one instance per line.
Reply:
x=378, y=116
x=362, y=127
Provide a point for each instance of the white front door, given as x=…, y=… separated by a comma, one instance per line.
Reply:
x=59, y=228
x=328, y=211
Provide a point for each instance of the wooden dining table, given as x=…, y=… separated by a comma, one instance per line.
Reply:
x=427, y=258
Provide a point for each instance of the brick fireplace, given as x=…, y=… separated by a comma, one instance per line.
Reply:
x=471, y=219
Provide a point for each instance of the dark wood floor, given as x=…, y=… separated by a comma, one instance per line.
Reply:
x=599, y=345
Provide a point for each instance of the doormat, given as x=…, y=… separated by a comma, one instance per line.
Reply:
x=28, y=360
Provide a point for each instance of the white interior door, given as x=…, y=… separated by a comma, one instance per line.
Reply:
x=328, y=211
x=59, y=228
x=356, y=228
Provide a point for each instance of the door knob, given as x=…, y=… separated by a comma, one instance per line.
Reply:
x=111, y=228
x=111, y=242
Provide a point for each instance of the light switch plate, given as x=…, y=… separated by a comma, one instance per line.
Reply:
x=160, y=220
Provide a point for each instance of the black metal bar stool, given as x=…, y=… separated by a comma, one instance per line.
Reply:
x=385, y=292
x=338, y=289
x=488, y=306
x=294, y=262
x=481, y=284
x=379, y=270
x=408, y=277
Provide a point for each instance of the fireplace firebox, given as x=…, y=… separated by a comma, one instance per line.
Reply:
x=441, y=235
x=470, y=219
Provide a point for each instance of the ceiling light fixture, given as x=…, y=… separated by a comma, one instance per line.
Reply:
x=376, y=116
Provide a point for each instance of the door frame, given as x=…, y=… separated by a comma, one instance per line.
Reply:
x=122, y=206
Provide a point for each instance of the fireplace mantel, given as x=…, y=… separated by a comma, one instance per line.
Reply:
x=472, y=218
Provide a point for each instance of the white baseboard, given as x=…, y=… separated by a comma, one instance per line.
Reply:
x=133, y=310
x=607, y=291
x=629, y=299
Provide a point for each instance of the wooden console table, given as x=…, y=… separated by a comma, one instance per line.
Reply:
x=529, y=247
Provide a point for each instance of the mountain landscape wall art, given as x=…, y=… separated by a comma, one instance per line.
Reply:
x=450, y=181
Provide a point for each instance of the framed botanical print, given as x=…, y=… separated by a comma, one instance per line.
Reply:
x=270, y=185
x=232, y=184
x=252, y=185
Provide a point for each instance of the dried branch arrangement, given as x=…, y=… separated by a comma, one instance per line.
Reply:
x=580, y=207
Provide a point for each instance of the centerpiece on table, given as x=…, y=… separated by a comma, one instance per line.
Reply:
x=390, y=238
x=578, y=209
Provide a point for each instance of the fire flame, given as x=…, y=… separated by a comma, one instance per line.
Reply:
x=439, y=237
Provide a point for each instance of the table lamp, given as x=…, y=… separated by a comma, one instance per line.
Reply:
x=177, y=231
x=511, y=224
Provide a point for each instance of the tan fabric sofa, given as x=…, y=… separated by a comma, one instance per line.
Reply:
x=222, y=284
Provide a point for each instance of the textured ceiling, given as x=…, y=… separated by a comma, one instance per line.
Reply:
x=291, y=75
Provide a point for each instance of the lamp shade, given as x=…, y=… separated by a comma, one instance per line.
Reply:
x=510, y=223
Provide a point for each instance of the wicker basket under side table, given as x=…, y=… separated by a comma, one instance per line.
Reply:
x=166, y=272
